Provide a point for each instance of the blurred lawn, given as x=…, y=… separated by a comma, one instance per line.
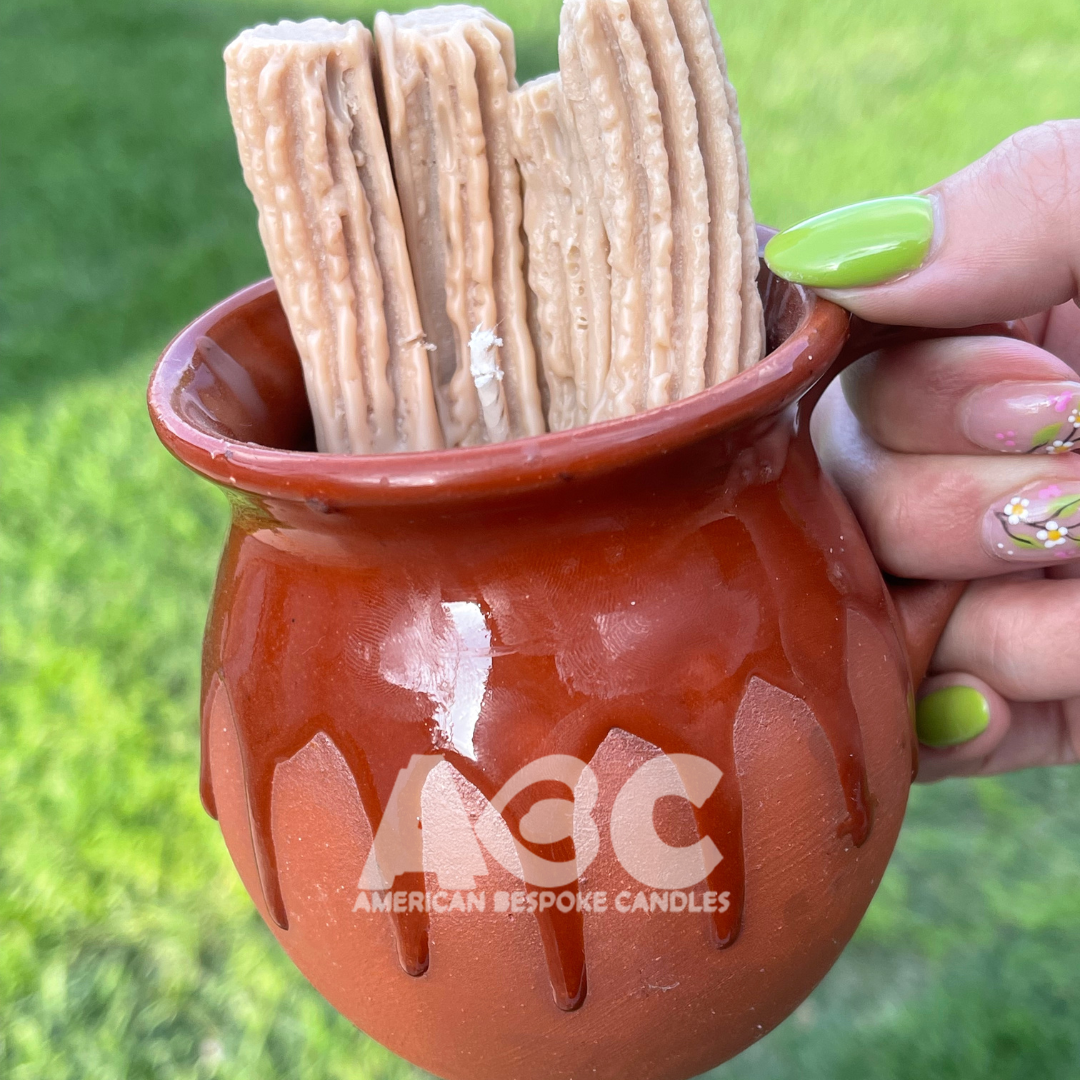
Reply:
x=127, y=947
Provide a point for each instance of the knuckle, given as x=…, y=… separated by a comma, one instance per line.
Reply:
x=1043, y=162
x=914, y=513
x=1001, y=654
x=1002, y=637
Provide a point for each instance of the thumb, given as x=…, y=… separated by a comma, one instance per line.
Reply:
x=997, y=240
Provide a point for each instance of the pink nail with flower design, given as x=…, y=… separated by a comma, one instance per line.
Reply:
x=1024, y=418
x=1041, y=522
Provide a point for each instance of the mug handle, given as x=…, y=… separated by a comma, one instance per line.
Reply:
x=923, y=607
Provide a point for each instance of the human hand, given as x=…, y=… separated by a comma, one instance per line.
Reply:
x=961, y=456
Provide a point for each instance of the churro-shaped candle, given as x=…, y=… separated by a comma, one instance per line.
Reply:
x=447, y=74
x=609, y=88
x=733, y=242
x=568, y=254
x=311, y=143
x=642, y=246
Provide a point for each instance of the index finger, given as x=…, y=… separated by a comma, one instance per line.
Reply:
x=996, y=241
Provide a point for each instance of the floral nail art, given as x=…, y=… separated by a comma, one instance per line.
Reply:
x=1025, y=418
x=1040, y=524
x=1016, y=509
x=1057, y=437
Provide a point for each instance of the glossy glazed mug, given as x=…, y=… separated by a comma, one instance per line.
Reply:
x=577, y=755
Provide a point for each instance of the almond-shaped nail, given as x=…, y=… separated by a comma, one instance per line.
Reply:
x=863, y=244
x=1024, y=418
x=1039, y=523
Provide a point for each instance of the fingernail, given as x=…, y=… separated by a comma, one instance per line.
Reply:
x=1039, y=523
x=863, y=244
x=951, y=715
x=1024, y=418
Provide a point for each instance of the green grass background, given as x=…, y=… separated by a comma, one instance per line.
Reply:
x=127, y=946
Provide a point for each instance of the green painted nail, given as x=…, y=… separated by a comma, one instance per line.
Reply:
x=952, y=715
x=863, y=244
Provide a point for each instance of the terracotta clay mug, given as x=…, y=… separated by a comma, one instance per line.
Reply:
x=578, y=755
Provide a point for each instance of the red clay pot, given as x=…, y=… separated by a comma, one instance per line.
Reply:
x=394, y=638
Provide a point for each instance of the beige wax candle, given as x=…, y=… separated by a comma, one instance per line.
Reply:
x=312, y=148
x=447, y=73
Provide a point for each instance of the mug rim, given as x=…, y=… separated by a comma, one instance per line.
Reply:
x=537, y=461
